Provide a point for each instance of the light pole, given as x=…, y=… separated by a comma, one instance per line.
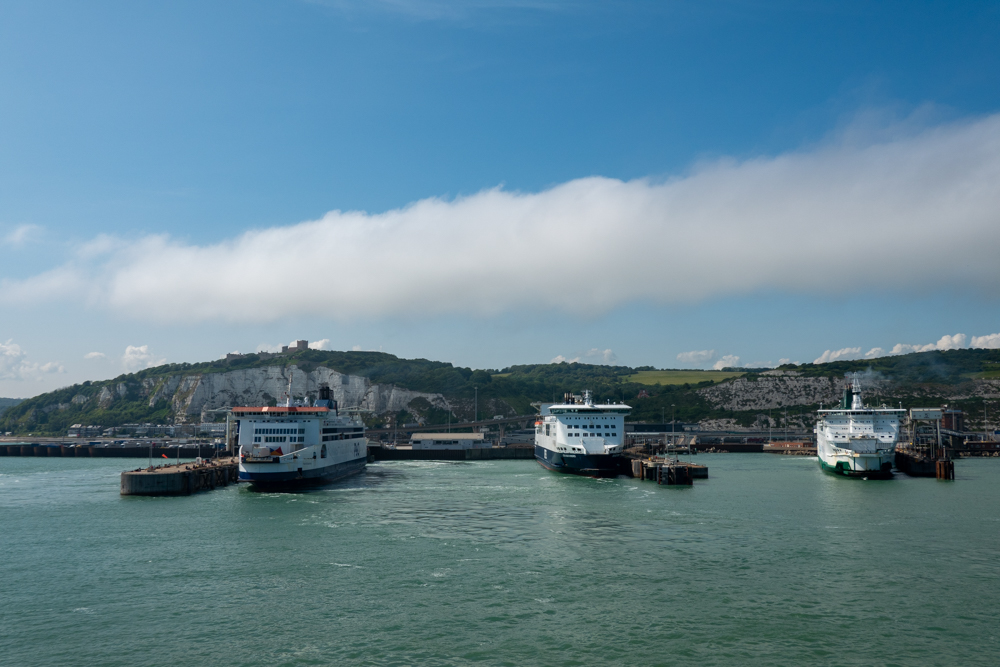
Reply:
x=673, y=423
x=476, y=418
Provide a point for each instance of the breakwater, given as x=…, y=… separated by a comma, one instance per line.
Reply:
x=107, y=451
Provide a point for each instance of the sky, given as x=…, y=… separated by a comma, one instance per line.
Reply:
x=496, y=182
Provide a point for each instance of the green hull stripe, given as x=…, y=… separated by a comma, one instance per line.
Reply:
x=840, y=470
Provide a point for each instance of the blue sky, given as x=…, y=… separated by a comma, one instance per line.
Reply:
x=516, y=181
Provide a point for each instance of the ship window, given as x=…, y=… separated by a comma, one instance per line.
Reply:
x=323, y=452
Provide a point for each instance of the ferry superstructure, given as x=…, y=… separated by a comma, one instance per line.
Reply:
x=581, y=438
x=856, y=440
x=292, y=445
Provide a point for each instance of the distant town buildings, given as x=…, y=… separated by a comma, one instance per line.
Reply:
x=81, y=431
x=203, y=430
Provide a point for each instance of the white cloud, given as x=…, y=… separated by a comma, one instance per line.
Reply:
x=728, y=361
x=834, y=355
x=989, y=341
x=264, y=347
x=137, y=357
x=874, y=353
x=95, y=355
x=356, y=348
x=605, y=356
x=955, y=342
x=591, y=356
x=21, y=234
x=783, y=361
x=696, y=357
x=760, y=364
x=320, y=344
x=758, y=223
x=14, y=364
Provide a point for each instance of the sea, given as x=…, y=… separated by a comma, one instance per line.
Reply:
x=768, y=562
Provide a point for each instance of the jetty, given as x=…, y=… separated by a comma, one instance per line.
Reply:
x=180, y=479
x=668, y=471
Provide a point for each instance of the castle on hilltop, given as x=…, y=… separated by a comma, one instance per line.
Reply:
x=297, y=346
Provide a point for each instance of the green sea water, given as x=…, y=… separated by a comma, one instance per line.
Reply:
x=770, y=561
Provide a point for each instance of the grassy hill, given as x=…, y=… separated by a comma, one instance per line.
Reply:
x=8, y=403
x=681, y=376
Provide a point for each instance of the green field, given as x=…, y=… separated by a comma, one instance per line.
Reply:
x=679, y=377
x=985, y=375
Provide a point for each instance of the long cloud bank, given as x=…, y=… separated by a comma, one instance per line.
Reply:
x=910, y=213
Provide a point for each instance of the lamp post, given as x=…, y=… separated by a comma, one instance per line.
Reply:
x=673, y=423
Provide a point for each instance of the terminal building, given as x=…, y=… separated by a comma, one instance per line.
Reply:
x=449, y=441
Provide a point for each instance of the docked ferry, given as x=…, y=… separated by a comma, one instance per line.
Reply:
x=581, y=438
x=856, y=440
x=288, y=446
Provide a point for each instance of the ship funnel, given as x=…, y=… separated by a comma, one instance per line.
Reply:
x=856, y=403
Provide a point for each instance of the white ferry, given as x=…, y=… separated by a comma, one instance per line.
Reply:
x=291, y=446
x=855, y=440
x=579, y=437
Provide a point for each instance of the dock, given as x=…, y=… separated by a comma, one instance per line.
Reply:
x=180, y=479
x=791, y=448
x=668, y=471
x=922, y=462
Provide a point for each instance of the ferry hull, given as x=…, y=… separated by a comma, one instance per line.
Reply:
x=869, y=467
x=260, y=476
x=589, y=465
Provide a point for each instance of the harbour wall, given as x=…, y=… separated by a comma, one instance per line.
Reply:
x=477, y=454
x=97, y=451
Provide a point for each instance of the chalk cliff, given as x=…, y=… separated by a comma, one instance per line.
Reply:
x=192, y=397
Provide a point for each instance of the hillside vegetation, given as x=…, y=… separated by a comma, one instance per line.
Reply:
x=961, y=377
x=8, y=403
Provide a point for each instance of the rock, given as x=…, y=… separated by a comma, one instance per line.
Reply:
x=105, y=398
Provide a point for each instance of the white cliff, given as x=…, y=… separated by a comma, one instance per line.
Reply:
x=192, y=396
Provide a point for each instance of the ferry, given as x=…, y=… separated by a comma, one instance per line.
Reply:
x=288, y=446
x=855, y=440
x=582, y=438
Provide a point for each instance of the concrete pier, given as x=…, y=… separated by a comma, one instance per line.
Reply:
x=180, y=480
